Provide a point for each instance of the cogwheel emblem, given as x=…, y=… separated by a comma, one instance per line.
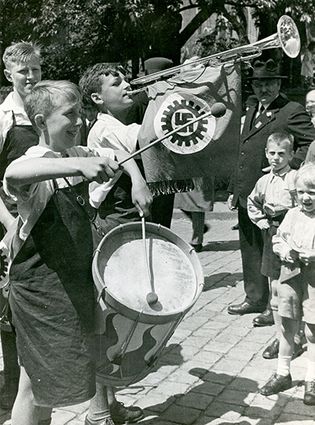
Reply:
x=4, y=265
x=178, y=109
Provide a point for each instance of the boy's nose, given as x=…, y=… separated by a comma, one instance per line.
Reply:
x=30, y=75
x=126, y=85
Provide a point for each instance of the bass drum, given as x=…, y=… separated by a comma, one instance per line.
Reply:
x=131, y=331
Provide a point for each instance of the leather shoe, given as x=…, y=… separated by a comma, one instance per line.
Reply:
x=264, y=319
x=309, y=393
x=272, y=351
x=276, y=384
x=121, y=414
x=245, y=308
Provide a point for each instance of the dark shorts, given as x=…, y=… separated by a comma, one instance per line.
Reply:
x=54, y=349
x=271, y=264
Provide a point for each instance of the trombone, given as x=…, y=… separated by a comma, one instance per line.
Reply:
x=287, y=37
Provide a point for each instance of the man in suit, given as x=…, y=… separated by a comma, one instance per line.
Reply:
x=274, y=112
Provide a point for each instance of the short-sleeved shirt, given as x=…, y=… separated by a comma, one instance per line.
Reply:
x=11, y=110
x=108, y=132
x=32, y=199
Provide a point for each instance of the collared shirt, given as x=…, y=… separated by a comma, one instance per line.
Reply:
x=297, y=231
x=108, y=132
x=11, y=107
x=272, y=195
x=32, y=199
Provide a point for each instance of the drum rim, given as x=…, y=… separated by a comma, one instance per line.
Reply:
x=172, y=237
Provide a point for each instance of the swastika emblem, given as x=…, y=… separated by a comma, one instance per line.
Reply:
x=178, y=109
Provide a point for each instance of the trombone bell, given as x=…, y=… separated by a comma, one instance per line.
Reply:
x=287, y=37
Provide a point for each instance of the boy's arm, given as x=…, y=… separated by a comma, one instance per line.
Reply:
x=255, y=208
x=35, y=170
x=281, y=240
x=140, y=193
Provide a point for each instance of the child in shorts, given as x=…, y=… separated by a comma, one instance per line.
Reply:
x=267, y=205
x=294, y=243
x=53, y=307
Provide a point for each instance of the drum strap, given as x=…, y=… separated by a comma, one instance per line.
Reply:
x=97, y=230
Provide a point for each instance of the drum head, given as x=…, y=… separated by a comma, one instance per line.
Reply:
x=175, y=270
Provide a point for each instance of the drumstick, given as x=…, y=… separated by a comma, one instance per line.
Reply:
x=218, y=110
x=152, y=297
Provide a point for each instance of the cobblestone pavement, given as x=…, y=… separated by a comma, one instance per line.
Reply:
x=212, y=367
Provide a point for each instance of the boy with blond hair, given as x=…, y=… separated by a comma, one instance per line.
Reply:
x=22, y=63
x=48, y=183
x=273, y=195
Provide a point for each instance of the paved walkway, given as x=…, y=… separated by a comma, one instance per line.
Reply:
x=212, y=366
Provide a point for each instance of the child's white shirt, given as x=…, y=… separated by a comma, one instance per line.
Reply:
x=32, y=199
x=108, y=132
x=297, y=231
x=275, y=190
x=8, y=107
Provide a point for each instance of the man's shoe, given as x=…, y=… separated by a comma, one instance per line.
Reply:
x=309, y=393
x=264, y=319
x=121, y=414
x=272, y=351
x=245, y=308
x=276, y=384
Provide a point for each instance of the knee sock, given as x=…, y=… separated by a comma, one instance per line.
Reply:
x=98, y=409
x=283, y=368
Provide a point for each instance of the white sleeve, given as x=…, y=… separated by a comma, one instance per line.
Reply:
x=115, y=135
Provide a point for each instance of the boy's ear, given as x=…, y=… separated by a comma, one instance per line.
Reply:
x=97, y=98
x=40, y=121
x=7, y=74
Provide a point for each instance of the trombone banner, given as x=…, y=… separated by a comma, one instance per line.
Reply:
x=204, y=149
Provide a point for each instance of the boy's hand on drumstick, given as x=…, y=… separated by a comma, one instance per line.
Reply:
x=99, y=169
x=141, y=197
x=290, y=256
x=264, y=224
x=307, y=256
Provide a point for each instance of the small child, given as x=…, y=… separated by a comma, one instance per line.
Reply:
x=271, y=198
x=294, y=243
x=53, y=307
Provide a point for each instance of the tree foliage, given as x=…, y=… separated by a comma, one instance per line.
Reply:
x=77, y=33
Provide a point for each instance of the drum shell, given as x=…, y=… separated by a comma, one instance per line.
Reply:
x=130, y=340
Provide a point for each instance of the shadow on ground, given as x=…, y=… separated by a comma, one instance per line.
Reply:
x=220, y=280
x=218, y=399
x=221, y=246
